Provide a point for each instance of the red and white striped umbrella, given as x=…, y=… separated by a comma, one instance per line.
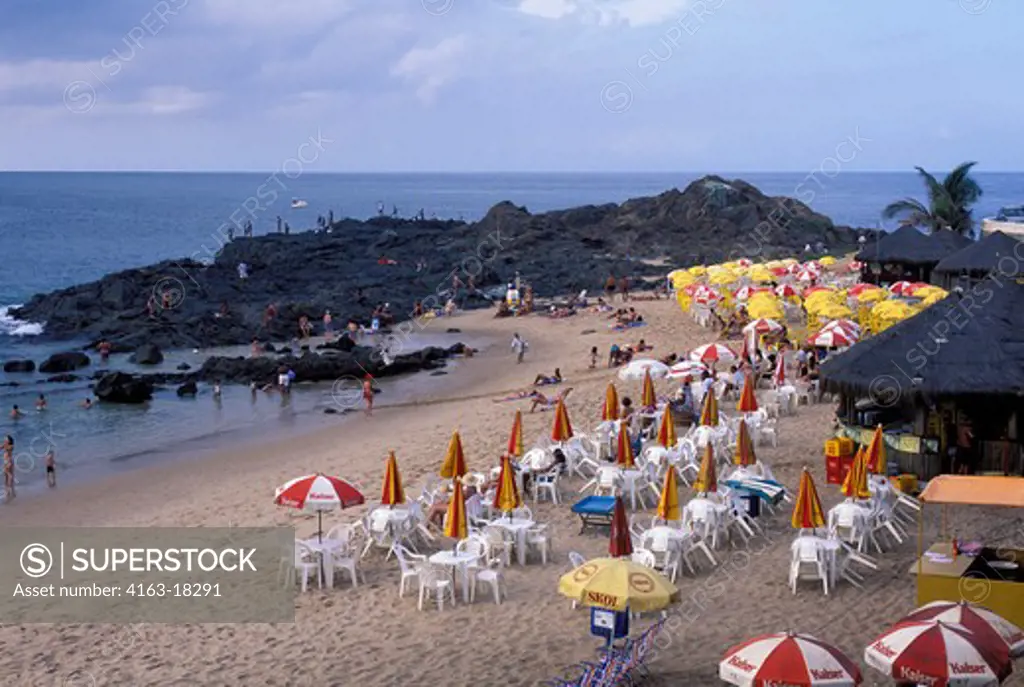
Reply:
x=687, y=368
x=939, y=654
x=762, y=325
x=812, y=265
x=745, y=292
x=787, y=291
x=855, y=265
x=744, y=262
x=846, y=326
x=901, y=288
x=318, y=492
x=831, y=338
x=807, y=275
x=787, y=659
x=706, y=295
x=977, y=619
x=713, y=353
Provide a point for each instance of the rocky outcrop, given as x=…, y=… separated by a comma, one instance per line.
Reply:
x=198, y=305
x=69, y=361
x=147, y=354
x=187, y=389
x=119, y=387
x=19, y=366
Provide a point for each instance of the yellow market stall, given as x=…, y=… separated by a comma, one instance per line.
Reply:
x=992, y=577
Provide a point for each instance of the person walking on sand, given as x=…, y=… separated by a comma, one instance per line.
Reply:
x=519, y=347
x=368, y=394
x=609, y=287
x=8, y=448
x=624, y=288
x=593, y=357
x=51, y=468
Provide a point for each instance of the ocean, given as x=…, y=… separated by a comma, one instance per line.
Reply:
x=61, y=229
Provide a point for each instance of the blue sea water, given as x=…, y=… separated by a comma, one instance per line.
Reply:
x=61, y=229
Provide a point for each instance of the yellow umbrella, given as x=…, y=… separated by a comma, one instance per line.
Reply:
x=932, y=299
x=648, y=399
x=698, y=270
x=760, y=274
x=748, y=401
x=618, y=584
x=707, y=477
x=722, y=277
x=455, y=519
x=807, y=510
x=874, y=456
x=926, y=291
x=610, y=409
x=767, y=309
x=667, y=429
x=515, y=439
x=827, y=261
x=834, y=311
x=683, y=300
x=506, y=497
x=744, y=454
x=709, y=414
x=454, y=460
x=391, y=493
x=856, y=483
x=872, y=296
x=668, y=502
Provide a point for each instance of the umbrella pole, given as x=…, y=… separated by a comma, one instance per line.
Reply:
x=320, y=526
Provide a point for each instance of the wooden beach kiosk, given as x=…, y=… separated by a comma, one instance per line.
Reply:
x=994, y=577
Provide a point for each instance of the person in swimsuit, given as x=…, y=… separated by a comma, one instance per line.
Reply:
x=41, y=402
x=16, y=412
x=593, y=357
x=543, y=380
x=87, y=403
x=368, y=394
x=540, y=399
x=104, y=349
x=8, y=448
x=256, y=351
x=51, y=468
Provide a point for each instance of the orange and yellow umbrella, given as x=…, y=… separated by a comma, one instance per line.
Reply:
x=624, y=449
x=455, y=520
x=562, y=428
x=515, y=439
x=506, y=497
x=668, y=502
x=748, y=401
x=856, y=483
x=874, y=457
x=455, y=460
x=667, y=429
x=709, y=413
x=391, y=493
x=707, y=477
x=648, y=399
x=610, y=410
x=807, y=510
x=744, y=454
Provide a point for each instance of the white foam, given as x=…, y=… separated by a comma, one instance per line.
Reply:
x=15, y=327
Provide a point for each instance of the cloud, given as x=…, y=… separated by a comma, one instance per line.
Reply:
x=297, y=17
x=431, y=68
x=608, y=12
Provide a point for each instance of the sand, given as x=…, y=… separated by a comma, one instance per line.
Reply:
x=368, y=636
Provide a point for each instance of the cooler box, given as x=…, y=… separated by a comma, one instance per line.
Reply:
x=845, y=463
x=838, y=447
x=833, y=470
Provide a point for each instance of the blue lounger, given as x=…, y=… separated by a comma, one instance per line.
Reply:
x=594, y=511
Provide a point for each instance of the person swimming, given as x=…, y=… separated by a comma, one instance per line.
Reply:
x=87, y=403
x=16, y=412
x=41, y=402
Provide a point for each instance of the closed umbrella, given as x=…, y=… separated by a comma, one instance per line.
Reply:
x=454, y=460
x=506, y=496
x=668, y=502
x=624, y=449
x=621, y=542
x=707, y=476
x=648, y=399
x=856, y=483
x=709, y=413
x=561, y=429
x=610, y=409
x=391, y=493
x=807, y=513
x=455, y=519
x=744, y=454
x=748, y=401
x=874, y=456
x=667, y=429
x=515, y=438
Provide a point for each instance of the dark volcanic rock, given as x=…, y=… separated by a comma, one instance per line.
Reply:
x=65, y=362
x=147, y=354
x=119, y=387
x=188, y=389
x=307, y=273
x=184, y=366
x=19, y=366
x=66, y=377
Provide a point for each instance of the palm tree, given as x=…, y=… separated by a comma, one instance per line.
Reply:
x=949, y=203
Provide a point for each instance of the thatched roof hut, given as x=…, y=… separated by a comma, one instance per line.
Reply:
x=997, y=254
x=966, y=344
x=908, y=254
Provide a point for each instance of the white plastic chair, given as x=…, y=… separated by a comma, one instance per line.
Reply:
x=807, y=563
x=435, y=587
x=547, y=482
x=306, y=564
x=490, y=574
x=539, y=539
x=644, y=558
x=499, y=545
x=410, y=564
x=339, y=560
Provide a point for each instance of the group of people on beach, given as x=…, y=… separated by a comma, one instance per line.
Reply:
x=10, y=481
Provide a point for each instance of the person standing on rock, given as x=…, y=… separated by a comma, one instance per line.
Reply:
x=243, y=271
x=269, y=314
x=304, y=328
x=255, y=349
x=104, y=349
x=328, y=323
x=519, y=347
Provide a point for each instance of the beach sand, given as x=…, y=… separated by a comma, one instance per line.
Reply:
x=368, y=636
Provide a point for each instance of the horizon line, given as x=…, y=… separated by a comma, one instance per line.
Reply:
x=474, y=172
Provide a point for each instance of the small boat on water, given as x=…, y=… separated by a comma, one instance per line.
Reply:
x=298, y=203
x=1009, y=220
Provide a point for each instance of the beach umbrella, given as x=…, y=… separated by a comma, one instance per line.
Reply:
x=932, y=299
x=745, y=292
x=723, y=277
x=807, y=275
x=713, y=353
x=787, y=658
x=779, y=375
x=687, y=368
x=610, y=409
x=455, y=519
x=744, y=454
x=827, y=261
x=697, y=270
x=667, y=429
x=745, y=262
x=760, y=274
x=618, y=584
x=855, y=265
x=873, y=296
x=318, y=493
x=874, y=457
x=977, y=619
x=391, y=493
x=636, y=369
x=621, y=541
x=748, y=401
x=762, y=325
x=862, y=287
x=787, y=291
x=454, y=460
x=668, y=501
x=707, y=477
x=856, y=483
x=515, y=438
x=506, y=496
x=807, y=510
x=765, y=308
x=831, y=338
x=624, y=448
x=648, y=399
x=709, y=413
x=833, y=311
x=847, y=326
x=811, y=265
x=938, y=653
x=561, y=428
x=901, y=288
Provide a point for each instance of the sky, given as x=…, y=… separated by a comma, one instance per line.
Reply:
x=510, y=85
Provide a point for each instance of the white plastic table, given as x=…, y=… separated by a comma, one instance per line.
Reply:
x=830, y=547
x=518, y=527
x=456, y=560
x=323, y=550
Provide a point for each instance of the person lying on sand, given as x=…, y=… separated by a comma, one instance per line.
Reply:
x=543, y=380
x=540, y=399
x=642, y=346
x=517, y=396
